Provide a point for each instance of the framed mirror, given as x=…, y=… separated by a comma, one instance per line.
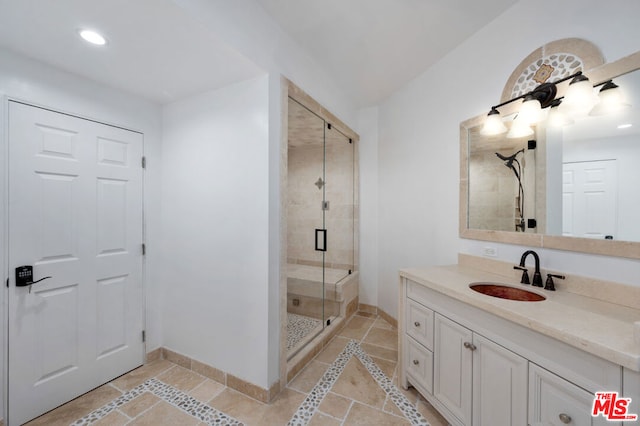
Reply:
x=574, y=186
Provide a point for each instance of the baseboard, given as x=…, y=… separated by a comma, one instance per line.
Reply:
x=252, y=390
x=374, y=310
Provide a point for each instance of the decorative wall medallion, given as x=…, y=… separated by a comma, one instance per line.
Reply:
x=550, y=68
x=543, y=73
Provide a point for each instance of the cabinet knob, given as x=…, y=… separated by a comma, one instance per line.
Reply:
x=416, y=362
x=470, y=346
x=565, y=418
x=417, y=324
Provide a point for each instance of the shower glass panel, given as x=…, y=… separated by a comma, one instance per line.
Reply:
x=320, y=228
x=305, y=227
x=338, y=215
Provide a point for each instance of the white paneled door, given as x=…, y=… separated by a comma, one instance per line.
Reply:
x=589, y=199
x=75, y=215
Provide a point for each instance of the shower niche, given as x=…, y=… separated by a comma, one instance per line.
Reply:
x=321, y=268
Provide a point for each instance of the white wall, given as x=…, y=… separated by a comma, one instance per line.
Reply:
x=367, y=128
x=246, y=26
x=419, y=133
x=215, y=223
x=34, y=82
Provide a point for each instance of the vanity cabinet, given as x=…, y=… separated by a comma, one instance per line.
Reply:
x=478, y=369
x=471, y=368
x=555, y=401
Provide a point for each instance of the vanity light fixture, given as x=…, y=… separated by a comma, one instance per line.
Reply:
x=493, y=125
x=611, y=100
x=92, y=37
x=579, y=100
x=557, y=117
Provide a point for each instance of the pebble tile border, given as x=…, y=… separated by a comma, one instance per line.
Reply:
x=311, y=403
x=298, y=327
x=169, y=394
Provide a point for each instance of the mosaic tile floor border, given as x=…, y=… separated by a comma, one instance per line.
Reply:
x=311, y=403
x=298, y=327
x=301, y=417
x=169, y=394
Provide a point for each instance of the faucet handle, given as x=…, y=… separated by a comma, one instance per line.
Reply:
x=549, y=284
x=525, y=275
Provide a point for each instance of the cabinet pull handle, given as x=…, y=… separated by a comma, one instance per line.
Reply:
x=417, y=324
x=470, y=346
x=416, y=362
x=565, y=418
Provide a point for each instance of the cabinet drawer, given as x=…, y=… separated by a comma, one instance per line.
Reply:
x=419, y=323
x=555, y=401
x=419, y=362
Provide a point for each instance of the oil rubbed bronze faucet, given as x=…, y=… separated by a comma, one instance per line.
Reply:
x=537, y=278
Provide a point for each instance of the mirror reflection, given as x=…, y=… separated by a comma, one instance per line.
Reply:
x=577, y=175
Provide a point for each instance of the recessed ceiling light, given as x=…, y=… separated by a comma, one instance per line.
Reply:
x=93, y=37
x=624, y=126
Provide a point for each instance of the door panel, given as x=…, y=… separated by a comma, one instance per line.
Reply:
x=75, y=214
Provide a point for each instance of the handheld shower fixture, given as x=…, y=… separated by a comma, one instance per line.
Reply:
x=508, y=161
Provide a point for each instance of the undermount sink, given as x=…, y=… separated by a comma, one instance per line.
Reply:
x=506, y=292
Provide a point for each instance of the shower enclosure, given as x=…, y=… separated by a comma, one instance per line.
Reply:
x=320, y=224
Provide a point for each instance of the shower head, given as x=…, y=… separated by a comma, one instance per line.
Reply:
x=508, y=160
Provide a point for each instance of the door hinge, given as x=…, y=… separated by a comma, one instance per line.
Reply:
x=7, y=282
x=144, y=162
x=144, y=336
x=329, y=126
x=144, y=249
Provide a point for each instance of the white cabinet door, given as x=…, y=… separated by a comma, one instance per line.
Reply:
x=499, y=385
x=452, y=368
x=554, y=401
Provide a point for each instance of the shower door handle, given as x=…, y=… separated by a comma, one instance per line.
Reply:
x=321, y=240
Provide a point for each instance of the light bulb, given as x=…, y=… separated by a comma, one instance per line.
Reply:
x=519, y=129
x=611, y=100
x=530, y=111
x=579, y=98
x=493, y=125
x=93, y=37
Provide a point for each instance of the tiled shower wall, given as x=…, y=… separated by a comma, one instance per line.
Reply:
x=305, y=202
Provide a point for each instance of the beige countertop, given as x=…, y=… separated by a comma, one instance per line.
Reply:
x=601, y=328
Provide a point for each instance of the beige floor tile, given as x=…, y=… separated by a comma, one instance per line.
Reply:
x=356, y=328
x=355, y=382
x=141, y=374
x=391, y=407
x=206, y=390
x=137, y=405
x=332, y=350
x=114, y=418
x=181, y=378
x=430, y=413
x=320, y=419
x=361, y=415
x=382, y=323
x=164, y=414
x=380, y=352
x=335, y=405
x=381, y=337
x=280, y=411
x=367, y=314
x=78, y=408
x=309, y=376
x=239, y=406
x=387, y=367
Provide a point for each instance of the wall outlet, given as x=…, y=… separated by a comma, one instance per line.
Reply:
x=490, y=251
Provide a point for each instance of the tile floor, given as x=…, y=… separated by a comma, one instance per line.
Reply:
x=348, y=383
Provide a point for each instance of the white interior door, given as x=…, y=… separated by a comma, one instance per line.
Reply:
x=589, y=199
x=75, y=214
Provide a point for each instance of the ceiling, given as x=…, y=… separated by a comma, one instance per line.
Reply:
x=156, y=50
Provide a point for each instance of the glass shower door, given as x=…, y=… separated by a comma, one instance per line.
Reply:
x=306, y=232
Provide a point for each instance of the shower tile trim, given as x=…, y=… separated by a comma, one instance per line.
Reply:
x=312, y=402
